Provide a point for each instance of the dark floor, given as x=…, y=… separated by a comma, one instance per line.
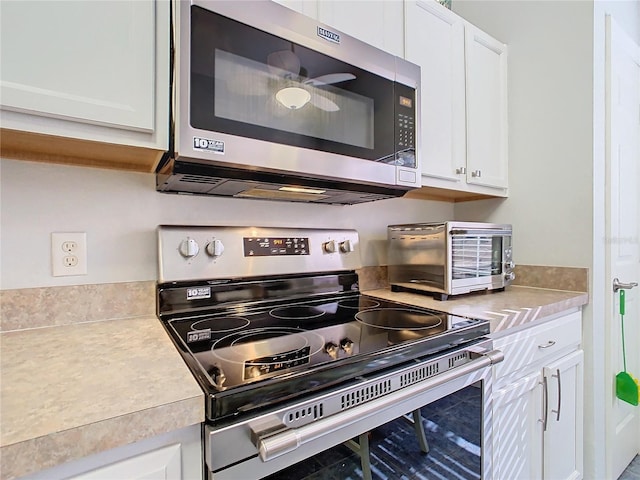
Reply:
x=632, y=472
x=452, y=426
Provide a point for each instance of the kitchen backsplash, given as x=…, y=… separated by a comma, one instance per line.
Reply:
x=53, y=306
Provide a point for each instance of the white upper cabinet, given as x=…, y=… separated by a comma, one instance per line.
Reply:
x=435, y=41
x=486, y=80
x=93, y=70
x=463, y=133
x=75, y=60
x=379, y=23
x=306, y=7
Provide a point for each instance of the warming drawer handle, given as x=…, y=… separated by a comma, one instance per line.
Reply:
x=271, y=445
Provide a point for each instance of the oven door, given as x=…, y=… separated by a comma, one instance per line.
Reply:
x=480, y=259
x=261, y=446
x=260, y=87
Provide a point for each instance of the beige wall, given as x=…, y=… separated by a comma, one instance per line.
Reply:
x=120, y=211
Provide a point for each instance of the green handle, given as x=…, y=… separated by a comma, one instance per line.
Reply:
x=622, y=307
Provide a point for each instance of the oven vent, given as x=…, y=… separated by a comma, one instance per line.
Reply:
x=419, y=374
x=362, y=395
x=459, y=359
x=306, y=414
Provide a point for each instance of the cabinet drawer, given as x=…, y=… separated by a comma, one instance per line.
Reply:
x=538, y=344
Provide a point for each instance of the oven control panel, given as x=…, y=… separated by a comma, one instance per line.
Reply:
x=259, y=367
x=188, y=253
x=274, y=246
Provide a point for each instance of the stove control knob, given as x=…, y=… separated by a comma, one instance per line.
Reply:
x=219, y=378
x=329, y=247
x=332, y=350
x=346, y=345
x=189, y=248
x=215, y=248
x=346, y=246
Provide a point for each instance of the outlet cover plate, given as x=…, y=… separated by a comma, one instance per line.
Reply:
x=68, y=254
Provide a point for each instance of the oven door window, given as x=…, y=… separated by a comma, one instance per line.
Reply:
x=253, y=84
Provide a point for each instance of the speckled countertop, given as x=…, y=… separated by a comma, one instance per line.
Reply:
x=515, y=307
x=74, y=390
x=70, y=390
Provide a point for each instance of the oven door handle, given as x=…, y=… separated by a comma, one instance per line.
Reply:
x=271, y=445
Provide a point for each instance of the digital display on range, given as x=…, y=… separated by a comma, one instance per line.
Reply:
x=275, y=246
x=259, y=367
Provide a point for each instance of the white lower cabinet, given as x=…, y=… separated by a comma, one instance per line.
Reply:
x=161, y=464
x=175, y=455
x=538, y=401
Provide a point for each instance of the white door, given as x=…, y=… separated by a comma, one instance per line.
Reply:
x=623, y=235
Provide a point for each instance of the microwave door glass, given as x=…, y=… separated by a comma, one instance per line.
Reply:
x=253, y=84
x=497, y=260
x=249, y=92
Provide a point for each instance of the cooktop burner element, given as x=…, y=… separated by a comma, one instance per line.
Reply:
x=300, y=312
x=399, y=319
x=260, y=331
x=359, y=303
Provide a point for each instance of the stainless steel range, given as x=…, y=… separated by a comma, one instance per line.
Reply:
x=293, y=358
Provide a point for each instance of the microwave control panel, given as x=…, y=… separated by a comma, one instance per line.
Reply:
x=405, y=126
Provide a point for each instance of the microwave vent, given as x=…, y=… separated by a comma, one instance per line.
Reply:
x=201, y=179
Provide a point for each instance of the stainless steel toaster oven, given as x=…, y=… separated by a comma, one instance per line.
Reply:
x=450, y=258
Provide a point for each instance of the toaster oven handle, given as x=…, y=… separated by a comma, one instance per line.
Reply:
x=482, y=231
x=271, y=445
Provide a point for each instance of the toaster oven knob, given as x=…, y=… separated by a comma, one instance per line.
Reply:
x=509, y=264
x=510, y=276
x=331, y=349
x=329, y=247
x=215, y=248
x=189, y=248
x=346, y=345
x=346, y=246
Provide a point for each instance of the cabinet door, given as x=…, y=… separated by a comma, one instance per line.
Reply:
x=486, y=88
x=306, y=7
x=161, y=464
x=378, y=23
x=91, y=62
x=563, y=435
x=434, y=39
x=517, y=429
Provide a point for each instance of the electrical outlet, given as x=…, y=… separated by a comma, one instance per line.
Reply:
x=69, y=254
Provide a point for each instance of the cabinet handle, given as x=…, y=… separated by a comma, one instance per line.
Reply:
x=545, y=401
x=557, y=412
x=461, y=170
x=550, y=343
x=476, y=173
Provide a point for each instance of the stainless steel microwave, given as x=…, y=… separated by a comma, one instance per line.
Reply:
x=272, y=104
x=450, y=258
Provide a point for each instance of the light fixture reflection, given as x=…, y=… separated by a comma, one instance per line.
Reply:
x=301, y=190
x=293, y=97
